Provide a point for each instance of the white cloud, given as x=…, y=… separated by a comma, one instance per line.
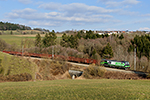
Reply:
x=72, y=13
x=144, y=29
x=75, y=8
x=21, y=13
x=58, y=14
x=115, y=3
x=130, y=2
x=50, y=6
x=43, y=23
x=25, y=1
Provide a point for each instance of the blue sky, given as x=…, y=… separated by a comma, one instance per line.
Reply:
x=61, y=15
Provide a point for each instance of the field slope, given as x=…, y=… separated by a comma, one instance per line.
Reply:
x=102, y=89
x=13, y=65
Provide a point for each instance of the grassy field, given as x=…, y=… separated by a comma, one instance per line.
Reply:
x=12, y=39
x=17, y=39
x=16, y=65
x=18, y=32
x=101, y=89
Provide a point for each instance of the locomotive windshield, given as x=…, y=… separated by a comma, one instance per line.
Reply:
x=126, y=62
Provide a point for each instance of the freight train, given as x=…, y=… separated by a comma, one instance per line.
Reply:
x=68, y=58
x=104, y=62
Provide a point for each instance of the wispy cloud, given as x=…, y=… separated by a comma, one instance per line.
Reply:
x=25, y=1
x=124, y=3
x=75, y=8
x=144, y=29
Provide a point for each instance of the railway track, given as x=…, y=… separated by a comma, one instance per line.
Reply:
x=106, y=68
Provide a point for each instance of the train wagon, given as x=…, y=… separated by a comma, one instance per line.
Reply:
x=115, y=63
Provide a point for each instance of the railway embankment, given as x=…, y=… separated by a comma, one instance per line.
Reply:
x=48, y=69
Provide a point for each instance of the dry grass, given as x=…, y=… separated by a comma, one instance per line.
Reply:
x=120, y=75
x=50, y=70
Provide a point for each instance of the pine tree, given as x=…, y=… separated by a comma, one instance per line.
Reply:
x=79, y=35
x=38, y=40
x=107, y=51
x=65, y=40
x=121, y=36
x=73, y=41
x=49, y=39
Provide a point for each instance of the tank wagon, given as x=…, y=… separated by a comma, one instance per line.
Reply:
x=115, y=63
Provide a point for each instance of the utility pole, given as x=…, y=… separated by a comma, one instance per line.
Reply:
x=134, y=58
x=52, y=52
x=22, y=50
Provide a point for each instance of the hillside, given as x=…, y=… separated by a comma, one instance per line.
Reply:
x=13, y=65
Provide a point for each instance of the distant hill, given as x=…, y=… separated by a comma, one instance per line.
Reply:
x=12, y=26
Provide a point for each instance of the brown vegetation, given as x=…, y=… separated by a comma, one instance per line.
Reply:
x=120, y=75
x=93, y=72
x=16, y=78
x=50, y=70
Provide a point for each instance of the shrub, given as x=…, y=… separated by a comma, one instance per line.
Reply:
x=120, y=75
x=94, y=72
x=17, y=77
x=3, y=45
x=49, y=69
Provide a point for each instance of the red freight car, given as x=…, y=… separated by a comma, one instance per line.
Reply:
x=74, y=59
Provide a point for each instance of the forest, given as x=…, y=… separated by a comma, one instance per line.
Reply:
x=90, y=45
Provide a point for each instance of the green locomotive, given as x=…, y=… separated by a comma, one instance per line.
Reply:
x=114, y=63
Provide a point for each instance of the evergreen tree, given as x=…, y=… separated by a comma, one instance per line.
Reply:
x=38, y=40
x=142, y=44
x=49, y=39
x=79, y=35
x=121, y=36
x=107, y=51
x=73, y=41
x=65, y=40
x=69, y=41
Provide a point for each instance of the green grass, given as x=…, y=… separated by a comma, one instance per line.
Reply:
x=102, y=89
x=11, y=39
x=16, y=65
x=19, y=32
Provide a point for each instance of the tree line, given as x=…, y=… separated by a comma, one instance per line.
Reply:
x=12, y=26
x=142, y=45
